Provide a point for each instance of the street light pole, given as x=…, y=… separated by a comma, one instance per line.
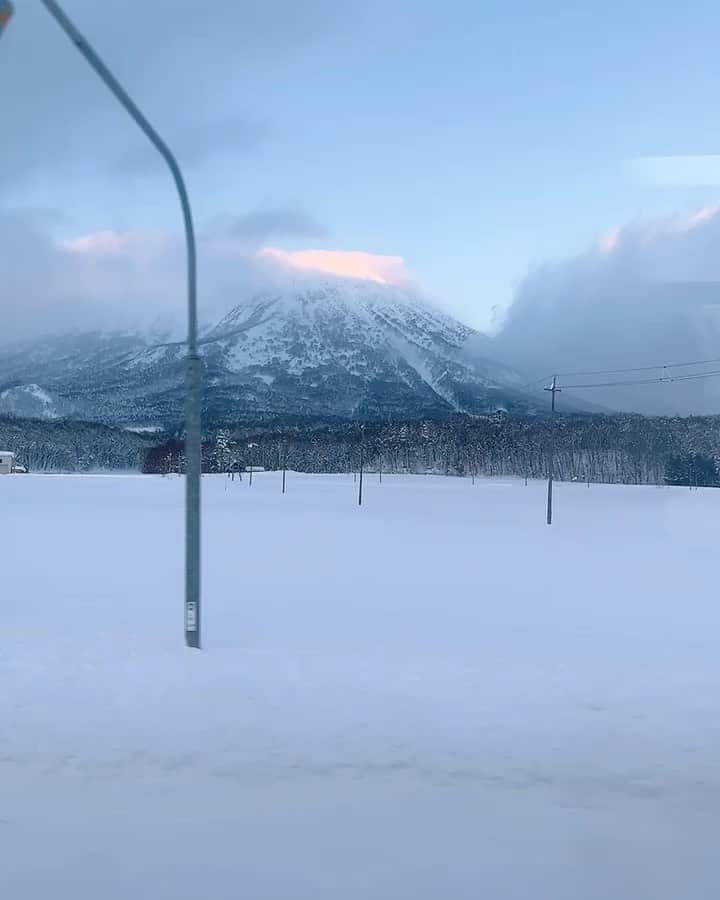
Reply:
x=193, y=422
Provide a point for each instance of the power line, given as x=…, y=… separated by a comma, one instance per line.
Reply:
x=698, y=362
x=666, y=379
x=598, y=384
x=611, y=371
x=680, y=365
x=695, y=375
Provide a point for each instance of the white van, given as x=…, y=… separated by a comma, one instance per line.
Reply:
x=7, y=462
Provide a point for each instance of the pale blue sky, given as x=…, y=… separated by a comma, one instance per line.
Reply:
x=472, y=139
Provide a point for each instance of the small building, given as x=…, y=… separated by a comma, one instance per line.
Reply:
x=7, y=462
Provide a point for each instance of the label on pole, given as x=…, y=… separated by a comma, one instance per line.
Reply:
x=6, y=10
x=190, y=616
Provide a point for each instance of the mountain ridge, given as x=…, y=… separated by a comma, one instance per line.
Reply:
x=339, y=350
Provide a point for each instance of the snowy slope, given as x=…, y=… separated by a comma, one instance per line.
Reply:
x=388, y=706
x=343, y=349
x=30, y=401
x=356, y=346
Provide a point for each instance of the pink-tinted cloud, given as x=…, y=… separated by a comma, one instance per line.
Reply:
x=118, y=244
x=610, y=240
x=128, y=279
x=650, y=233
x=150, y=248
x=699, y=217
x=343, y=263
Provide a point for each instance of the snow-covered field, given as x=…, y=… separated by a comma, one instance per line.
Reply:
x=434, y=696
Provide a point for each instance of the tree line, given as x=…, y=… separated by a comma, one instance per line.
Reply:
x=601, y=448
x=70, y=446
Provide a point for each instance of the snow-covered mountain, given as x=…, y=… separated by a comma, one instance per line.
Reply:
x=30, y=401
x=342, y=350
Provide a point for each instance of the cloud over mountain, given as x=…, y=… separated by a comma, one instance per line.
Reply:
x=647, y=294
x=136, y=279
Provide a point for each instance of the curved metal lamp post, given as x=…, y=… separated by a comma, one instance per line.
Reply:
x=193, y=426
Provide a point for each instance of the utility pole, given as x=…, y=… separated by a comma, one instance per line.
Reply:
x=284, y=465
x=362, y=460
x=381, y=450
x=251, y=447
x=554, y=389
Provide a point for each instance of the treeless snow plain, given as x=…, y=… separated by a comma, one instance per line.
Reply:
x=434, y=696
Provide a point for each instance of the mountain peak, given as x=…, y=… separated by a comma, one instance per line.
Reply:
x=336, y=349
